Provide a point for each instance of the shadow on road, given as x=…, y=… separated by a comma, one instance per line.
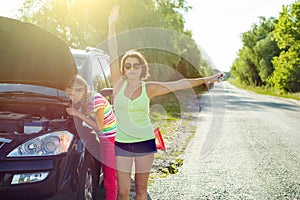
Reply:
x=248, y=103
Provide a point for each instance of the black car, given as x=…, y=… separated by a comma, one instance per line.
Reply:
x=43, y=151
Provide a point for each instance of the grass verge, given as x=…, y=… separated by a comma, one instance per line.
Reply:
x=266, y=91
x=177, y=133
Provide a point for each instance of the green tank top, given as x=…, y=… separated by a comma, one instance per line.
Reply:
x=133, y=121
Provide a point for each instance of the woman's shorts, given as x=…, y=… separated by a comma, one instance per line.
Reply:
x=135, y=149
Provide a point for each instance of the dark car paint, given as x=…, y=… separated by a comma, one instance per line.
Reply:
x=30, y=55
x=63, y=178
x=34, y=56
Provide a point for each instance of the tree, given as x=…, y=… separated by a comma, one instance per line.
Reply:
x=82, y=23
x=244, y=69
x=257, y=54
x=286, y=76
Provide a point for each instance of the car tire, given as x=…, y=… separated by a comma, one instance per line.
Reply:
x=89, y=179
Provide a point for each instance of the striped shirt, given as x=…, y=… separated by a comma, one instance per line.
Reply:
x=96, y=102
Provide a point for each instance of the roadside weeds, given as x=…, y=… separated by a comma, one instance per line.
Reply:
x=176, y=134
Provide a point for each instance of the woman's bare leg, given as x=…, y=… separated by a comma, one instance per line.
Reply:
x=124, y=167
x=143, y=166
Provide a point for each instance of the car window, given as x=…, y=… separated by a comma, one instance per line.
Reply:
x=99, y=73
x=79, y=63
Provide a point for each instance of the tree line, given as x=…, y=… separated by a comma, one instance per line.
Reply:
x=154, y=27
x=270, y=53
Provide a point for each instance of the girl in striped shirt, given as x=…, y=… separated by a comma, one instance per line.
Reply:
x=97, y=113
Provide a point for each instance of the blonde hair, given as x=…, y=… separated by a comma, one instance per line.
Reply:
x=142, y=60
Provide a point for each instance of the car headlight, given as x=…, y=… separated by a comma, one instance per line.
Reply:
x=54, y=143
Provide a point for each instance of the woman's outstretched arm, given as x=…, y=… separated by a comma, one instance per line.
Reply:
x=161, y=88
x=113, y=46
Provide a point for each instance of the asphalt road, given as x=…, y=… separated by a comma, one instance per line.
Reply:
x=247, y=146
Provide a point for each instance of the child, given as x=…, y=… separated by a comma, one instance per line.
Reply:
x=97, y=113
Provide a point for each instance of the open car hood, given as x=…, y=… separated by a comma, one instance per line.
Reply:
x=32, y=55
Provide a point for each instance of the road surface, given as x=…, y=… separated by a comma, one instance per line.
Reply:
x=247, y=146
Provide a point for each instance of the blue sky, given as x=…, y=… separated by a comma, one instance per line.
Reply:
x=216, y=24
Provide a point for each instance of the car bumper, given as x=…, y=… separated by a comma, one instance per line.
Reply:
x=55, y=178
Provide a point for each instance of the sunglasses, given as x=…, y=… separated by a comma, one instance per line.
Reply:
x=135, y=66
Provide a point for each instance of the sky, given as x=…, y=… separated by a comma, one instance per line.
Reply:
x=216, y=24
x=8, y=8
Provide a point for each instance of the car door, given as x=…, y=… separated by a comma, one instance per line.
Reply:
x=99, y=73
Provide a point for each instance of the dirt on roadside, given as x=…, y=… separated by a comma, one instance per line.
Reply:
x=176, y=135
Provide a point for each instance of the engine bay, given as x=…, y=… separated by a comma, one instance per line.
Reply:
x=33, y=118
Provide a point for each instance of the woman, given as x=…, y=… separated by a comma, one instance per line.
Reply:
x=135, y=140
x=97, y=113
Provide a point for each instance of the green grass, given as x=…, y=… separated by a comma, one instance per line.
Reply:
x=266, y=91
x=169, y=102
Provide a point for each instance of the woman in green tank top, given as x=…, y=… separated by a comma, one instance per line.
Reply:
x=135, y=140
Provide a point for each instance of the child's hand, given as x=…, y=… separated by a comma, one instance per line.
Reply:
x=114, y=14
x=72, y=111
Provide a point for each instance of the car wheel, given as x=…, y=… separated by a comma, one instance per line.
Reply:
x=89, y=180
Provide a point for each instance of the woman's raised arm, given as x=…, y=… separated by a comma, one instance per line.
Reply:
x=113, y=46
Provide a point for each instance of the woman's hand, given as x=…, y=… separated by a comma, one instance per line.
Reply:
x=114, y=14
x=215, y=78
